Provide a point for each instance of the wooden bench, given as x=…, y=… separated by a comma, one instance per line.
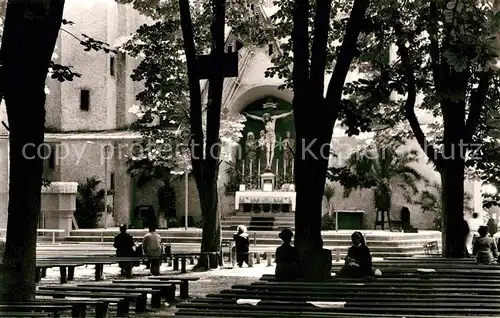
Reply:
x=140, y=302
x=78, y=306
x=122, y=299
x=52, y=310
x=183, y=283
x=184, y=256
x=166, y=290
x=25, y=314
x=292, y=309
x=440, y=295
x=67, y=265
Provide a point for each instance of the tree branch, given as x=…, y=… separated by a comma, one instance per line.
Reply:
x=478, y=99
x=215, y=86
x=194, y=89
x=345, y=57
x=434, y=45
x=409, y=106
x=300, y=72
x=318, y=53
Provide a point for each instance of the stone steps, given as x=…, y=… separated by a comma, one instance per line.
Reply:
x=189, y=247
x=416, y=244
x=327, y=235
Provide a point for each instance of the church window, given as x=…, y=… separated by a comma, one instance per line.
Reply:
x=84, y=99
x=112, y=66
x=229, y=49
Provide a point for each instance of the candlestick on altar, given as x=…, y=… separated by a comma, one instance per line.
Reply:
x=284, y=169
x=277, y=170
x=258, y=167
x=243, y=171
x=292, y=170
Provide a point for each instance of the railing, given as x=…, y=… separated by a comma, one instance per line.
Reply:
x=53, y=231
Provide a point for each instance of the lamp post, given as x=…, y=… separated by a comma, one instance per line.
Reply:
x=106, y=149
x=186, y=202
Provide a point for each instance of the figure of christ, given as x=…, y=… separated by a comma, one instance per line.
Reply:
x=270, y=127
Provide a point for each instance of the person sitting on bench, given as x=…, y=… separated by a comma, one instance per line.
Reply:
x=484, y=247
x=287, y=258
x=124, y=244
x=152, y=249
x=358, y=262
x=242, y=245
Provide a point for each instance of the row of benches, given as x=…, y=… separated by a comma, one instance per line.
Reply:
x=67, y=264
x=420, y=287
x=99, y=296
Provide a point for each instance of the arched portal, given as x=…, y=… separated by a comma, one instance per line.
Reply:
x=255, y=93
x=268, y=141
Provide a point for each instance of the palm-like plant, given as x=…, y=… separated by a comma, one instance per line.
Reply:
x=328, y=195
x=387, y=170
x=89, y=203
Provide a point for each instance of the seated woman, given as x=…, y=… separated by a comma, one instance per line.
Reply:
x=358, y=262
x=484, y=247
x=287, y=258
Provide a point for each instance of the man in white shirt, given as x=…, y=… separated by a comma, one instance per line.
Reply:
x=152, y=249
x=474, y=224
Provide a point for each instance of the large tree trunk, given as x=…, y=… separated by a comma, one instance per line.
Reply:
x=314, y=124
x=30, y=33
x=206, y=163
x=310, y=177
x=211, y=235
x=452, y=180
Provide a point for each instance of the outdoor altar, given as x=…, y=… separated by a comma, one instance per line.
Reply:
x=267, y=163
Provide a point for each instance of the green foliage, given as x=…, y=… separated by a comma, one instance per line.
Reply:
x=146, y=171
x=386, y=169
x=328, y=222
x=89, y=203
x=328, y=195
x=166, y=199
x=430, y=199
x=235, y=177
x=163, y=109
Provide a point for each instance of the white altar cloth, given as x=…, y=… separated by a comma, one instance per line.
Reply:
x=265, y=197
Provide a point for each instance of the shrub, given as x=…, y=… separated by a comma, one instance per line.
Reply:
x=89, y=203
x=328, y=222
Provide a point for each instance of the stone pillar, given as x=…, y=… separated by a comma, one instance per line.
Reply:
x=4, y=180
x=58, y=206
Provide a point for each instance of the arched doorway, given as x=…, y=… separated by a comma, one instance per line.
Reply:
x=259, y=135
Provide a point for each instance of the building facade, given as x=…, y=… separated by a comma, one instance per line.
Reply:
x=87, y=120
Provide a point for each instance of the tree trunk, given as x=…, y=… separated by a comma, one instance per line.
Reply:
x=211, y=235
x=452, y=179
x=30, y=33
x=310, y=177
x=205, y=163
